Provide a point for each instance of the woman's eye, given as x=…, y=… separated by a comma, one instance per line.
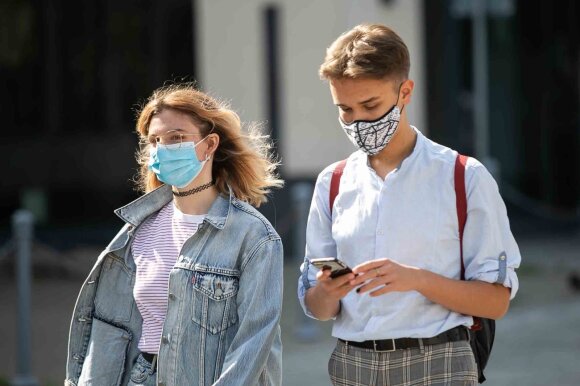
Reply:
x=344, y=109
x=370, y=107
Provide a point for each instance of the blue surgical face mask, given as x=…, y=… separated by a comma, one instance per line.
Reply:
x=176, y=164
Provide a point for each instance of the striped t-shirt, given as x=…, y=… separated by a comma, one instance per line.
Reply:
x=156, y=247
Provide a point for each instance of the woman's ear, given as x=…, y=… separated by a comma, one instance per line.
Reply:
x=213, y=141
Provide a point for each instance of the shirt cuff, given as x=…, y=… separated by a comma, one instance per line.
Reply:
x=502, y=274
x=304, y=284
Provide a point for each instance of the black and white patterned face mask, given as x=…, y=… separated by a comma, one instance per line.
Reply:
x=372, y=136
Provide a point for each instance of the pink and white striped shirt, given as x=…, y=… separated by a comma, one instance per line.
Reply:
x=155, y=250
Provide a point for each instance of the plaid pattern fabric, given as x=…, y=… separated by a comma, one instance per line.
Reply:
x=449, y=364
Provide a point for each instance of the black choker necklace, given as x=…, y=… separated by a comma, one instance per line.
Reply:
x=194, y=190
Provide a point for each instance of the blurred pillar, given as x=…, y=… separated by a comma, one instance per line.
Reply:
x=194, y=42
x=478, y=11
x=272, y=50
x=480, y=78
x=481, y=87
x=22, y=225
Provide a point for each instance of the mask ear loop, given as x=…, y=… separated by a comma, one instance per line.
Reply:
x=208, y=156
x=398, y=97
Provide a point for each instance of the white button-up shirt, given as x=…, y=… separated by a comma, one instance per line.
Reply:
x=409, y=217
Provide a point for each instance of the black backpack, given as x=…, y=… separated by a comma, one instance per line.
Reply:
x=482, y=332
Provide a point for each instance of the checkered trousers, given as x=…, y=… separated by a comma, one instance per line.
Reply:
x=448, y=364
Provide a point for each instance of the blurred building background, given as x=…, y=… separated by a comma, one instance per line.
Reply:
x=72, y=76
x=73, y=73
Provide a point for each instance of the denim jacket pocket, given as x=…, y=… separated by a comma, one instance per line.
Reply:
x=104, y=363
x=114, y=297
x=214, y=298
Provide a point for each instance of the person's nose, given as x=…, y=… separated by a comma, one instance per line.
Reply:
x=356, y=115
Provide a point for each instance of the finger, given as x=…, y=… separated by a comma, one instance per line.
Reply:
x=369, y=265
x=362, y=278
x=369, y=275
x=371, y=285
x=337, y=292
x=342, y=280
x=381, y=291
x=344, y=290
x=323, y=274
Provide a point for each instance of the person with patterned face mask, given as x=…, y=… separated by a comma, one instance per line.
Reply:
x=422, y=268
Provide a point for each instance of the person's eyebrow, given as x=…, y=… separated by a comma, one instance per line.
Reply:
x=371, y=99
x=177, y=129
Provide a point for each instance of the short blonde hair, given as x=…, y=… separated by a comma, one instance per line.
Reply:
x=367, y=50
x=242, y=160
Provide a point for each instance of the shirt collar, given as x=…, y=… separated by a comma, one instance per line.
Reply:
x=363, y=157
x=138, y=210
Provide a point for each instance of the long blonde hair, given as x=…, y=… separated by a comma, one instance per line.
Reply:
x=244, y=161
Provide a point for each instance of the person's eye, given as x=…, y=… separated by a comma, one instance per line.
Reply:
x=369, y=108
x=344, y=109
x=171, y=139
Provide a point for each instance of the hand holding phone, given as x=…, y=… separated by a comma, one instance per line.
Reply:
x=337, y=267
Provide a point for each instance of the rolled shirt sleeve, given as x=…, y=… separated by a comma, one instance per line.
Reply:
x=319, y=241
x=490, y=250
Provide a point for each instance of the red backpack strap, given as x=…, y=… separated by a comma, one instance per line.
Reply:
x=335, y=183
x=461, y=202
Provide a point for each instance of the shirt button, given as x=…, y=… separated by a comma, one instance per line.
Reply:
x=171, y=296
x=380, y=233
x=502, y=257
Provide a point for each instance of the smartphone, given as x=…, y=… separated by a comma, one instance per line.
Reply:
x=337, y=267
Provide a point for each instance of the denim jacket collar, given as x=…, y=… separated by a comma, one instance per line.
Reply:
x=138, y=210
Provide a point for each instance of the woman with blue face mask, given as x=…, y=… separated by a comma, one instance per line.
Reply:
x=190, y=290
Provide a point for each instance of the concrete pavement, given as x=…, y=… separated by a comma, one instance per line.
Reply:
x=537, y=343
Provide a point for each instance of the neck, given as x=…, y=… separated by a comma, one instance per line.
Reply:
x=198, y=203
x=400, y=147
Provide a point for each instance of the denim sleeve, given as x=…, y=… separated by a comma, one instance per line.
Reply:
x=319, y=241
x=259, y=303
x=491, y=253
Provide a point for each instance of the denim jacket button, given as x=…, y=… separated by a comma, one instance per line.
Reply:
x=164, y=340
x=171, y=296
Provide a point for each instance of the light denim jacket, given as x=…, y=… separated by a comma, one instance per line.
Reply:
x=225, y=300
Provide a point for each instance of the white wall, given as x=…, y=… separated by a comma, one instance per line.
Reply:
x=231, y=60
